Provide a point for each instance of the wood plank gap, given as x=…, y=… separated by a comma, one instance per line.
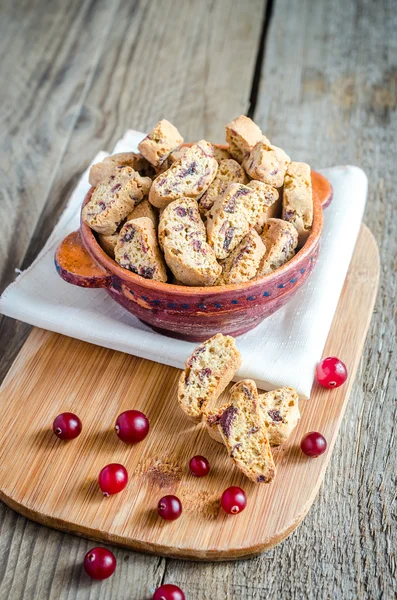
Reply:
x=256, y=79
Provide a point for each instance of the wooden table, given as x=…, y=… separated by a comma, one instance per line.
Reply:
x=320, y=78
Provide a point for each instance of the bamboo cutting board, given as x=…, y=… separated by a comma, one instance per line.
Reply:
x=55, y=482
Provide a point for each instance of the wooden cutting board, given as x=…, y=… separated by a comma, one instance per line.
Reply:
x=55, y=482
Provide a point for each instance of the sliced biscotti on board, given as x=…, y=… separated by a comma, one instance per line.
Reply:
x=242, y=134
x=144, y=209
x=229, y=171
x=101, y=171
x=188, y=177
x=114, y=199
x=137, y=250
x=280, y=412
x=280, y=239
x=181, y=218
x=267, y=163
x=209, y=369
x=160, y=142
x=244, y=432
x=298, y=199
x=243, y=263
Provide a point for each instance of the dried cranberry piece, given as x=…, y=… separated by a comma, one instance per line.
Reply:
x=180, y=211
x=146, y=272
x=116, y=187
x=228, y=238
x=275, y=415
x=204, y=373
x=226, y=419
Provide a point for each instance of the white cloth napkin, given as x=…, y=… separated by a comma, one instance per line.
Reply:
x=282, y=350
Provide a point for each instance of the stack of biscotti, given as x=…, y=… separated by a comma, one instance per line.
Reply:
x=218, y=215
x=249, y=423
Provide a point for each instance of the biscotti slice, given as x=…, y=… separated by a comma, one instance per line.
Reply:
x=160, y=142
x=221, y=153
x=188, y=177
x=208, y=371
x=137, y=250
x=267, y=163
x=144, y=209
x=298, y=199
x=242, y=134
x=114, y=199
x=181, y=218
x=229, y=171
x=232, y=216
x=108, y=242
x=191, y=260
x=268, y=202
x=244, y=432
x=100, y=172
x=280, y=239
x=280, y=412
x=243, y=263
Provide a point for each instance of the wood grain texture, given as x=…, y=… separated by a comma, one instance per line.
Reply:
x=55, y=482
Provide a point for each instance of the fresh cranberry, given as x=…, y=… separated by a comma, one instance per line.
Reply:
x=132, y=426
x=199, y=466
x=99, y=563
x=233, y=500
x=169, y=508
x=313, y=444
x=331, y=372
x=168, y=592
x=67, y=426
x=112, y=479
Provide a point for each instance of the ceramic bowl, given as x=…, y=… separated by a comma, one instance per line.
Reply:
x=192, y=313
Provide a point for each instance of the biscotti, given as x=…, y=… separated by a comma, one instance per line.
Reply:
x=137, y=250
x=191, y=260
x=108, y=242
x=280, y=412
x=160, y=142
x=208, y=371
x=267, y=163
x=181, y=218
x=242, y=134
x=269, y=202
x=244, y=432
x=221, y=153
x=233, y=214
x=243, y=263
x=144, y=209
x=229, y=171
x=188, y=177
x=100, y=172
x=298, y=199
x=114, y=199
x=280, y=239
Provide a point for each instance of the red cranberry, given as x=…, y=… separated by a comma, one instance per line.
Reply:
x=233, y=500
x=313, y=444
x=331, y=372
x=67, y=426
x=112, y=479
x=169, y=508
x=132, y=426
x=168, y=592
x=199, y=466
x=99, y=563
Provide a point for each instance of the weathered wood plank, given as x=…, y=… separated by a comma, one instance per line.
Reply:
x=328, y=95
x=103, y=67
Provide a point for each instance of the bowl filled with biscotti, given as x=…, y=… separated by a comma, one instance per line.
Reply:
x=196, y=239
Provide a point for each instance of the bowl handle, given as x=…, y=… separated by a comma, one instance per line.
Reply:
x=322, y=189
x=75, y=265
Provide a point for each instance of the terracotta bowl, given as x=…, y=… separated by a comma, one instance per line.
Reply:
x=192, y=313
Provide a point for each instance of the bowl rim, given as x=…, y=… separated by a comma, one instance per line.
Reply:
x=100, y=256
